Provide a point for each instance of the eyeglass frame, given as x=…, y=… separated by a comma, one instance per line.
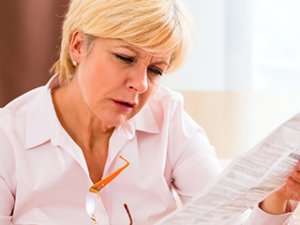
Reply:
x=98, y=186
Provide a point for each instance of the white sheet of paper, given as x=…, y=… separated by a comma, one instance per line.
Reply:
x=246, y=181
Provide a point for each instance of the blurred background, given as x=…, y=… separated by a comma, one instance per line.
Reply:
x=241, y=78
x=29, y=44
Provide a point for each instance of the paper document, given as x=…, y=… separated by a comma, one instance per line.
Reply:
x=246, y=181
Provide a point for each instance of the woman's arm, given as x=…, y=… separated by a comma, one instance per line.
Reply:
x=7, y=203
x=7, y=179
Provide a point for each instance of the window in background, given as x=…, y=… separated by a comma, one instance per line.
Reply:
x=245, y=61
x=204, y=66
x=276, y=44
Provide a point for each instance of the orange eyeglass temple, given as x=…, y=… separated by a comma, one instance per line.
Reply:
x=102, y=183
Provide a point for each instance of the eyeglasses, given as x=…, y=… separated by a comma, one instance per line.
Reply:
x=91, y=199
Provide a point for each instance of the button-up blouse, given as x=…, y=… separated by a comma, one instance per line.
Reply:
x=44, y=178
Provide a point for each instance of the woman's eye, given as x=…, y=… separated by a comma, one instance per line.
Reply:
x=155, y=70
x=126, y=59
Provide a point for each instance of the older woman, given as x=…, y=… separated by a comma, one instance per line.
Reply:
x=104, y=109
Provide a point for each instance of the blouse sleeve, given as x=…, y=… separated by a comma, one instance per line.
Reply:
x=193, y=160
x=7, y=179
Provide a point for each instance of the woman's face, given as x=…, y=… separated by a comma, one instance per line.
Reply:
x=116, y=79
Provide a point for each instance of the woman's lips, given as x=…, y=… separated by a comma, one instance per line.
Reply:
x=124, y=105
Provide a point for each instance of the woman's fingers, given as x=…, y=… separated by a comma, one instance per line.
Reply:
x=292, y=186
x=296, y=176
x=293, y=189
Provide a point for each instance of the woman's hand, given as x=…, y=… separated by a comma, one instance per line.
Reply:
x=278, y=202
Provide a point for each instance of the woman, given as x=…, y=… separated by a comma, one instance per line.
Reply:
x=105, y=104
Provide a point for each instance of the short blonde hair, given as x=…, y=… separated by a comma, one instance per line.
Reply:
x=153, y=25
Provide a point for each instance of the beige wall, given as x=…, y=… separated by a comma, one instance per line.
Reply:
x=236, y=121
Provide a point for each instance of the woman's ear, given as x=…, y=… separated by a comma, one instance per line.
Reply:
x=76, y=47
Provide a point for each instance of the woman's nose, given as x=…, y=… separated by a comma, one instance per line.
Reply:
x=139, y=80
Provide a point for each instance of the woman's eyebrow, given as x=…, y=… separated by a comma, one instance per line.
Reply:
x=161, y=62
x=138, y=53
x=129, y=48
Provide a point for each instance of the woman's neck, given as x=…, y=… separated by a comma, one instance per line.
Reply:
x=79, y=122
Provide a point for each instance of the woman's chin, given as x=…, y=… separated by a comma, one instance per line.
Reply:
x=116, y=121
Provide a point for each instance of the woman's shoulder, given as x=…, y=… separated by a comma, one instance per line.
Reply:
x=167, y=95
x=165, y=102
x=168, y=107
x=13, y=114
x=22, y=101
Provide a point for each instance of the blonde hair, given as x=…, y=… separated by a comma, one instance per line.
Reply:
x=152, y=25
